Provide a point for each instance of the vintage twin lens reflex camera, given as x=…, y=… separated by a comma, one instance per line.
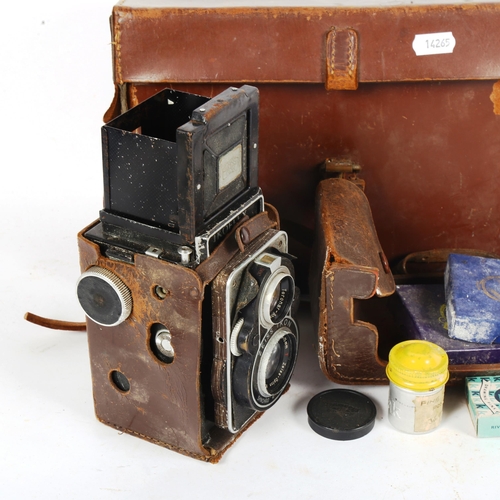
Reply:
x=187, y=285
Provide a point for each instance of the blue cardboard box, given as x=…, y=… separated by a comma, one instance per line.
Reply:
x=472, y=289
x=423, y=316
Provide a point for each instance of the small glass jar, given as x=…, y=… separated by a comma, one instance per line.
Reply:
x=417, y=372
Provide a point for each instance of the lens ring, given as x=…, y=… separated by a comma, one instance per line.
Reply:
x=104, y=297
x=276, y=362
x=276, y=296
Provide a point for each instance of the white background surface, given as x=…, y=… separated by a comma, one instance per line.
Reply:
x=56, y=83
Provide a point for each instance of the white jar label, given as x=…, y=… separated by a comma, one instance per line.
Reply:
x=428, y=411
x=434, y=43
x=413, y=411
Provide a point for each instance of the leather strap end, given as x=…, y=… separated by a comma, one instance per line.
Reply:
x=55, y=324
x=342, y=59
x=235, y=241
x=249, y=230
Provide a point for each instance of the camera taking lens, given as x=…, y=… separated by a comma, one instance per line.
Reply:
x=277, y=362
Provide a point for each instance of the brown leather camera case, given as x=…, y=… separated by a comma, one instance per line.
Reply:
x=165, y=403
x=345, y=82
x=348, y=264
x=355, y=312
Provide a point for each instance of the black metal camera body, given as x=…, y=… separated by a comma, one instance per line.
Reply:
x=179, y=170
x=187, y=285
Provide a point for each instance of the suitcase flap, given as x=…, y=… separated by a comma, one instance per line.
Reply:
x=349, y=232
x=337, y=46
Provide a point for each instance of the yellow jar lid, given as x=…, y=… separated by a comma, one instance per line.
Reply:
x=418, y=365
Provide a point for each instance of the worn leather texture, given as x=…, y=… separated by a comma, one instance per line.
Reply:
x=242, y=234
x=345, y=83
x=417, y=137
x=345, y=223
x=283, y=44
x=420, y=127
x=355, y=312
x=419, y=145
x=166, y=403
x=342, y=60
x=347, y=265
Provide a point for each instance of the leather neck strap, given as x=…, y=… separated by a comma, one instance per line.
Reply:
x=55, y=324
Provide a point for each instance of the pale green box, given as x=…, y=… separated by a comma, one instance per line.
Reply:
x=483, y=400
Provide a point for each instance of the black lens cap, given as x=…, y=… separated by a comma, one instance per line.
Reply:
x=341, y=414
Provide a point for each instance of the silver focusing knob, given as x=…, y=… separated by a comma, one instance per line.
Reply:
x=235, y=350
x=104, y=297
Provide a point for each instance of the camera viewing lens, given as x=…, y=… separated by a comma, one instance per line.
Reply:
x=277, y=362
x=104, y=297
x=277, y=296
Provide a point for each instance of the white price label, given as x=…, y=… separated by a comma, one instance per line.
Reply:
x=434, y=43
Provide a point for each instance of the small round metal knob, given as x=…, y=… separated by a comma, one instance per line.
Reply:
x=185, y=253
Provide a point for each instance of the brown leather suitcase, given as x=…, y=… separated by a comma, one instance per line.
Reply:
x=408, y=94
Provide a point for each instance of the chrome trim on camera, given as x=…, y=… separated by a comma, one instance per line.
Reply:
x=154, y=252
x=209, y=239
x=280, y=242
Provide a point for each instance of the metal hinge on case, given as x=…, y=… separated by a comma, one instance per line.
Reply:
x=342, y=168
x=341, y=59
